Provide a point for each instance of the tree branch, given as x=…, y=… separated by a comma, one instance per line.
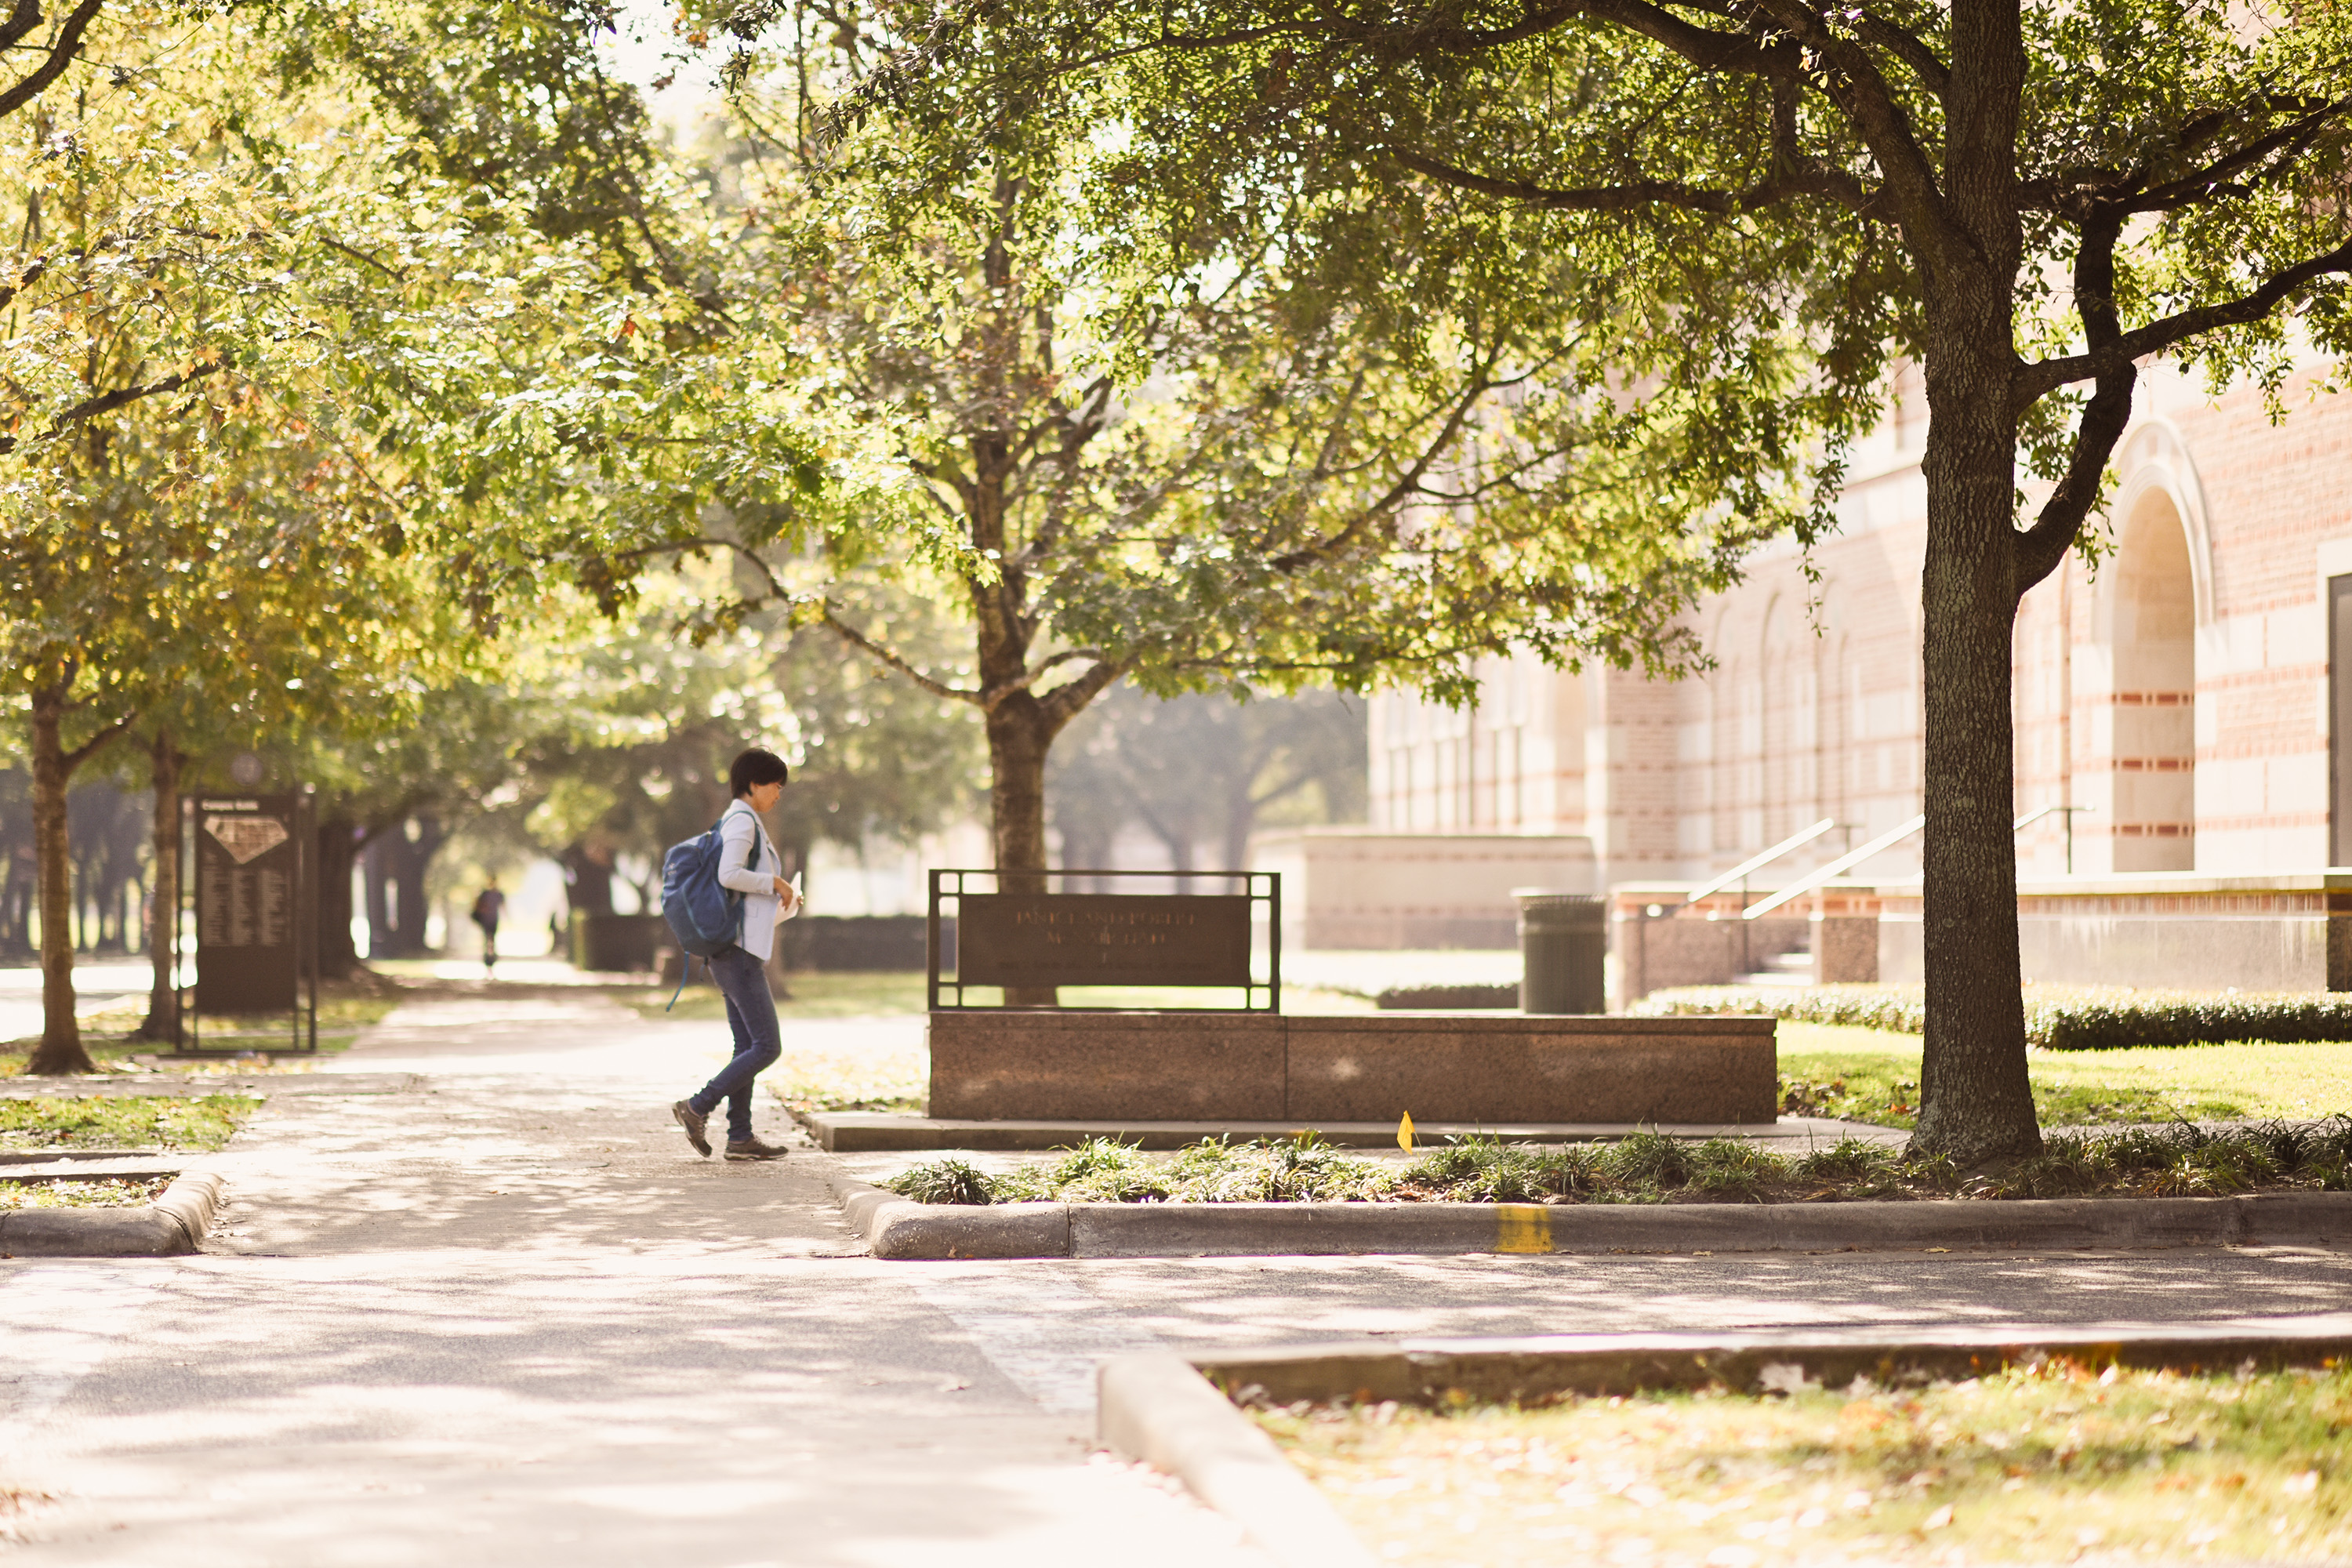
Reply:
x=1066, y=701
x=1405, y=485
x=1908, y=47
x=82, y=753
x=1005, y=689
x=398, y=274
x=107, y=402
x=1850, y=81
x=1816, y=182
x=22, y=19
x=2040, y=549
x=2217, y=178
x=881, y=655
x=2034, y=381
x=61, y=53
x=1703, y=47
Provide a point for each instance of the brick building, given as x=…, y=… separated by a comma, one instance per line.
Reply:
x=2178, y=697
x=2177, y=694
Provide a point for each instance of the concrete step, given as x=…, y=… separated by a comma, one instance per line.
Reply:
x=1781, y=979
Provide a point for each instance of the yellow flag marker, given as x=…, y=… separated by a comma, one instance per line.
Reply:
x=1404, y=1133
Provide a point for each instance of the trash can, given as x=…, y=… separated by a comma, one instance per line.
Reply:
x=1564, y=940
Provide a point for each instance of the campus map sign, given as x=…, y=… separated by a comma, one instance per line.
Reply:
x=248, y=878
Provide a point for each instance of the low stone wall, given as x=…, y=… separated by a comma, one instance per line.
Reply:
x=2287, y=932
x=2284, y=933
x=1437, y=1066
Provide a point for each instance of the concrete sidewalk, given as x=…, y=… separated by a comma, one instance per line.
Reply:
x=508, y=1318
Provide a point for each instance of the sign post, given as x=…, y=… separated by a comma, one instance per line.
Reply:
x=257, y=912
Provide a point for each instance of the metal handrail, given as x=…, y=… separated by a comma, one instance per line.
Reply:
x=1812, y=879
x=1745, y=867
x=2066, y=813
x=1886, y=841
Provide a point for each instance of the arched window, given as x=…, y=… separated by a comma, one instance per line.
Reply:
x=2154, y=746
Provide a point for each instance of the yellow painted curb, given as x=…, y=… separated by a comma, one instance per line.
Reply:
x=1522, y=1227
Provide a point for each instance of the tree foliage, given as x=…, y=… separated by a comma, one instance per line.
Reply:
x=199, y=523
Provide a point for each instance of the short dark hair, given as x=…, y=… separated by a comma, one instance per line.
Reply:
x=755, y=767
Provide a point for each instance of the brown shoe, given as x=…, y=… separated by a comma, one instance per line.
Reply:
x=752, y=1149
x=693, y=1125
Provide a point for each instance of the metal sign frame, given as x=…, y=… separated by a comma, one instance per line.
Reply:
x=948, y=886
x=302, y=1018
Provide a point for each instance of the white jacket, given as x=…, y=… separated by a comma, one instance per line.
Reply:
x=738, y=830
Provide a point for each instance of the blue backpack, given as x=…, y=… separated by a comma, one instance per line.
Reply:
x=706, y=918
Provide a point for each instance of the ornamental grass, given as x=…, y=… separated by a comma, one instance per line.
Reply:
x=2180, y=1160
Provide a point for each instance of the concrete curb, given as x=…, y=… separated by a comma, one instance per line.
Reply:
x=1433, y=1372
x=869, y=1133
x=900, y=1227
x=897, y=1227
x=172, y=1227
x=1155, y=1407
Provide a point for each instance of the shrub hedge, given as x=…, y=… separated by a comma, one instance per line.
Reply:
x=2176, y=1160
x=2057, y=1017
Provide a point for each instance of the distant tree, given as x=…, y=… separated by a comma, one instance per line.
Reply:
x=621, y=731
x=1200, y=771
x=104, y=835
x=19, y=876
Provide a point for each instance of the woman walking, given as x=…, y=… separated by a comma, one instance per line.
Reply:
x=749, y=865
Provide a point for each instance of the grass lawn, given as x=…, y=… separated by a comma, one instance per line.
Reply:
x=845, y=1080
x=108, y=1035
x=105, y=1192
x=1872, y=1075
x=203, y=1122
x=882, y=994
x=2041, y=1465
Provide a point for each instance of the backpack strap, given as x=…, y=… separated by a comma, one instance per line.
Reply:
x=684, y=970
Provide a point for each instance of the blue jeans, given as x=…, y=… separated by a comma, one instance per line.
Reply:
x=751, y=1014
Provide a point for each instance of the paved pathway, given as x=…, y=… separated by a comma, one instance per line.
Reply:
x=504, y=1317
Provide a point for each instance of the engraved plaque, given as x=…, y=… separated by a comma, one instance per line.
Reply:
x=1102, y=939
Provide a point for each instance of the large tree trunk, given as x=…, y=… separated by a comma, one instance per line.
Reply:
x=162, y=928
x=1018, y=745
x=338, y=850
x=588, y=881
x=60, y=1050
x=397, y=906
x=1976, y=1102
x=1019, y=740
x=1241, y=817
